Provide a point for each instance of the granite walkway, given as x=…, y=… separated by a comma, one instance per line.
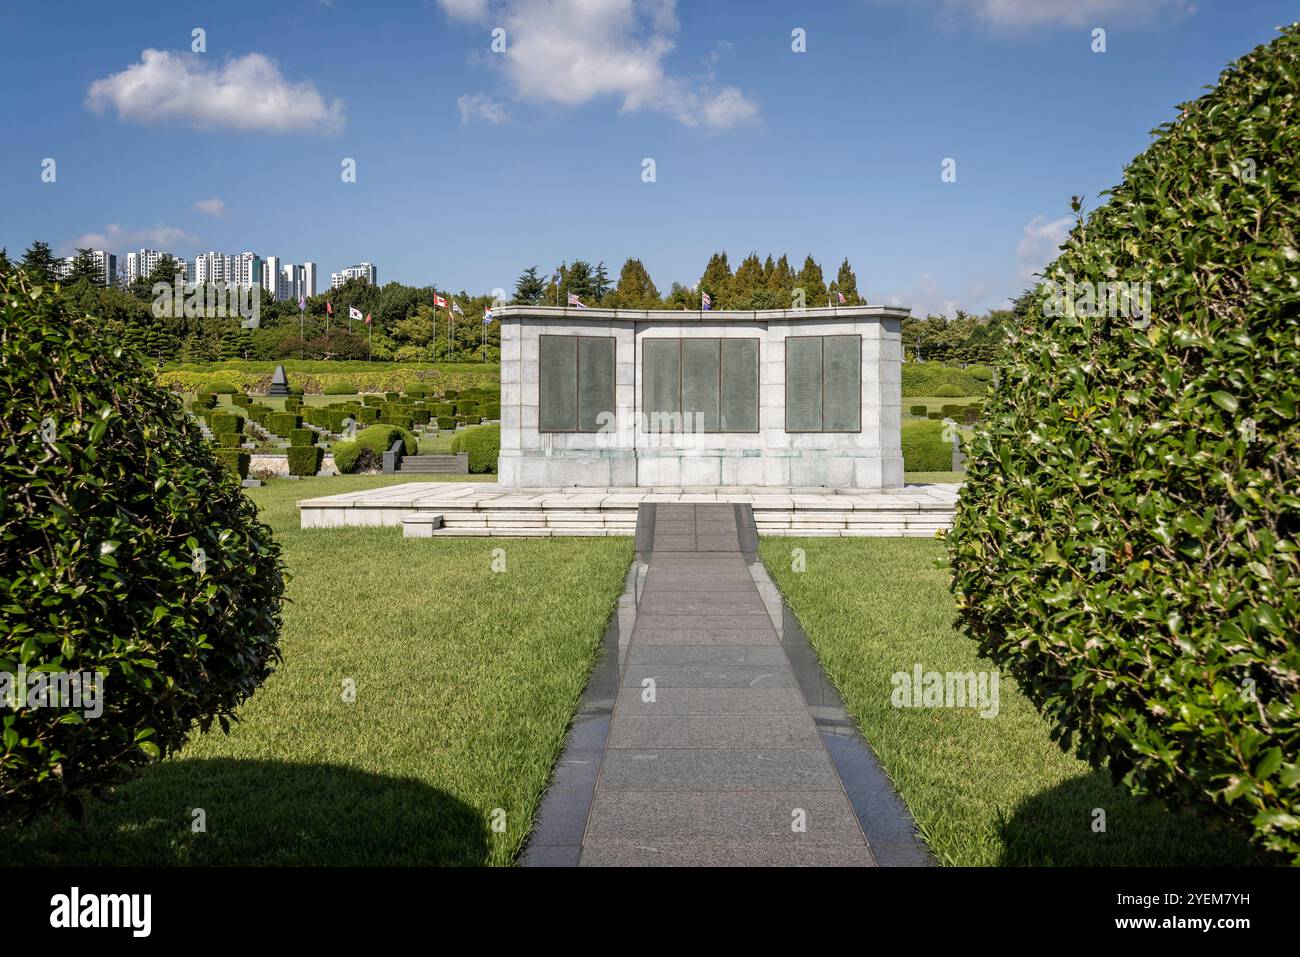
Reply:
x=712, y=755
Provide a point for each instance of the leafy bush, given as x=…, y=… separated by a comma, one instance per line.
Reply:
x=222, y=387
x=341, y=387
x=948, y=392
x=1135, y=565
x=229, y=440
x=373, y=400
x=971, y=414
x=392, y=396
x=305, y=459
x=235, y=461
x=367, y=449
x=109, y=490
x=936, y=415
x=241, y=400
x=300, y=437
x=367, y=415
x=483, y=445
x=927, y=378
x=924, y=449
x=446, y=422
x=293, y=403
x=952, y=410
x=918, y=410
x=419, y=416
x=980, y=373
x=205, y=400
x=282, y=423
x=220, y=422
x=418, y=390
x=402, y=419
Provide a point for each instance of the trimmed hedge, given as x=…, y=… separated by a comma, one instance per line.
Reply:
x=229, y=440
x=918, y=410
x=305, y=459
x=1136, y=566
x=446, y=422
x=948, y=392
x=282, y=423
x=292, y=403
x=928, y=378
x=367, y=449
x=367, y=415
x=302, y=437
x=483, y=445
x=235, y=461
x=936, y=415
x=420, y=416
x=220, y=422
x=980, y=373
x=223, y=388
x=204, y=400
x=924, y=449
x=241, y=400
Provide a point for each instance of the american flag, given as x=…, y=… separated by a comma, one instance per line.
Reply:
x=575, y=301
x=706, y=302
x=840, y=295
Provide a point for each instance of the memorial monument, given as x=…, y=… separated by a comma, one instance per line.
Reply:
x=279, y=382
x=780, y=398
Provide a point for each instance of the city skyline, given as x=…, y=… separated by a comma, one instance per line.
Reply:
x=604, y=131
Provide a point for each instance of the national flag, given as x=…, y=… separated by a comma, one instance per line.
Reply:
x=354, y=312
x=706, y=302
x=439, y=302
x=575, y=301
x=302, y=303
x=487, y=316
x=367, y=318
x=455, y=307
x=329, y=308
x=840, y=295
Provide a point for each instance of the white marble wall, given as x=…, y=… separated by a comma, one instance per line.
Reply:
x=626, y=456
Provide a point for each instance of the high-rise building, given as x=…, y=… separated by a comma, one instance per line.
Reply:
x=105, y=265
x=364, y=271
x=242, y=269
x=140, y=264
x=308, y=279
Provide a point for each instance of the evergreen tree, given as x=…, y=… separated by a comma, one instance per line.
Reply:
x=768, y=268
x=635, y=289
x=578, y=279
x=530, y=288
x=811, y=282
x=847, y=284
x=747, y=282
x=680, y=297
x=782, y=282
x=83, y=268
x=716, y=281
x=38, y=261
x=600, y=282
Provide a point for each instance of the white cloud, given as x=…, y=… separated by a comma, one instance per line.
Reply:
x=244, y=93
x=480, y=106
x=570, y=52
x=1039, y=244
x=1024, y=14
x=927, y=297
x=115, y=239
x=213, y=207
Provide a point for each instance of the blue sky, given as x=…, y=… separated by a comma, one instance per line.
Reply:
x=473, y=164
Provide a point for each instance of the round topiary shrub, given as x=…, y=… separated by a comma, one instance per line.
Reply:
x=980, y=373
x=223, y=388
x=918, y=410
x=1126, y=540
x=131, y=562
x=947, y=392
x=483, y=445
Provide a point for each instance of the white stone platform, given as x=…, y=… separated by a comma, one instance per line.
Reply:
x=482, y=509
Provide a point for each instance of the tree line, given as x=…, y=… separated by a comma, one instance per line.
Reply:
x=408, y=326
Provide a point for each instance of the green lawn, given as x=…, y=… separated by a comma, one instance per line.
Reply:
x=926, y=478
x=984, y=791
x=465, y=681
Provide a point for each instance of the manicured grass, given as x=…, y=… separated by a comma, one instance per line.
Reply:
x=984, y=791
x=465, y=682
x=328, y=366
x=925, y=478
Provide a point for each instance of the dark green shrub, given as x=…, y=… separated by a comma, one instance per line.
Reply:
x=401, y=419
x=342, y=387
x=392, y=396
x=223, y=388
x=936, y=414
x=204, y=400
x=492, y=410
x=367, y=415
x=419, y=416
x=300, y=437
x=446, y=422
x=417, y=390
x=241, y=400
x=220, y=422
x=282, y=423
x=366, y=451
x=952, y=411
x=305, y=459
x=927, y=378
x=980, y=373
x=373, y=400
x=918, y=410
x=948, y=392
x=293, y=403
x=449, y=393
x=483, y=445
x=972, y=413
x=229, y=440
x=108, y=492
x=1151, y=610
x=924, y=449
x=235, y=461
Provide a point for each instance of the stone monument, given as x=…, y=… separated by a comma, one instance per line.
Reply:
x=279, y=382
x=663, y=398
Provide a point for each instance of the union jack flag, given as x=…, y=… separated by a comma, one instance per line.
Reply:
x=575, y=301
x=706, y=301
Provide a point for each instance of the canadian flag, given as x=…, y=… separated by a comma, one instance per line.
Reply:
x=354, y=312
x=439, y=302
